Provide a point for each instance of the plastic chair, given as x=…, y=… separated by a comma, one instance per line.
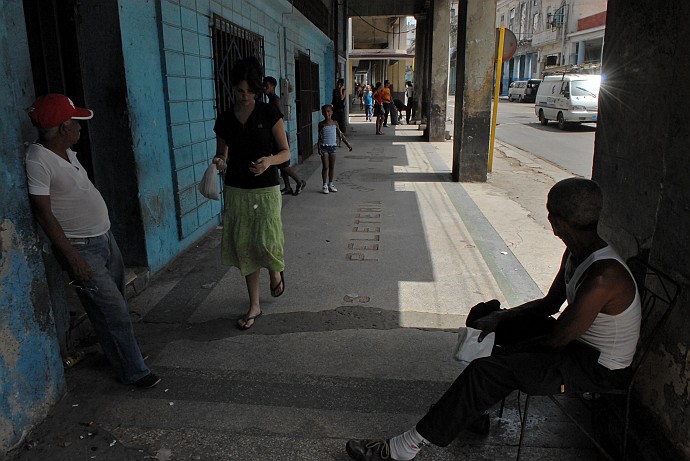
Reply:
x=659, y=294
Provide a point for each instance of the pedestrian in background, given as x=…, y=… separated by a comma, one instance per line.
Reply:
x=329, y=132
x=378, y=107
x=399, y=108
x=410, y=108
x=367, y=102
x=251, y=142
x=357, y=96
x=286, y=171
x=338, y=104
x=74, y=216
x=387, y=100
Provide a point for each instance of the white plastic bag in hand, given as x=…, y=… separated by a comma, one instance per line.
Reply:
x=208, y=187
x=468, y=348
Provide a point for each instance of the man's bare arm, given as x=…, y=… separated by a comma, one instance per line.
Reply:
x=78, y=267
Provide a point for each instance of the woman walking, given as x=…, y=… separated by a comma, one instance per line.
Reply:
x=247, y=136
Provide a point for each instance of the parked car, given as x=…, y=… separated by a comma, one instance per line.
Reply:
x=524, y=90
x=568, y=98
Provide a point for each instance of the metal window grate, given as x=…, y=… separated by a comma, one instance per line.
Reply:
x=230, y=44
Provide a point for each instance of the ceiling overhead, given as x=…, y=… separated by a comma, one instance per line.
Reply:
x=385, y=7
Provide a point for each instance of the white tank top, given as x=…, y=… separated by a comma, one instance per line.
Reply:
x=614, y=336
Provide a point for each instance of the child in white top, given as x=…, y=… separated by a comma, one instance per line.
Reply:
x=329, y=133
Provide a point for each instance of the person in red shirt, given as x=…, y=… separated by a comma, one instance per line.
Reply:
x=378, y=107
x=387, y=101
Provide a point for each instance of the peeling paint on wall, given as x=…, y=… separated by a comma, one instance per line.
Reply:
x=30, y=366
x=31, y=373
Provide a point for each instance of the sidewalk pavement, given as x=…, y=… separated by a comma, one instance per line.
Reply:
x=378, y=276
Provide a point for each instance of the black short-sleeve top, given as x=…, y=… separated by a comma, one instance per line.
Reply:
x=337, y=102
x=247, y=143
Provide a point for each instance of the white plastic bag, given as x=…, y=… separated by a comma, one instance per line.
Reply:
x=468, y=348
x=208, y=187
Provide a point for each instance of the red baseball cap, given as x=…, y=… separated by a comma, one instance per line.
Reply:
x=53, y=109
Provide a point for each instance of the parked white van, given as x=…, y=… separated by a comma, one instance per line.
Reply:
x=568, y=98
x=523, y=90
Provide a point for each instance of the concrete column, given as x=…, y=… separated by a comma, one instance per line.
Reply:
x=439, y=76
x=581, y=52
x=426, y=102
x=475, y=71
x=420, y=67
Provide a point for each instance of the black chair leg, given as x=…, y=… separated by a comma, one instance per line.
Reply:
x=523, y=424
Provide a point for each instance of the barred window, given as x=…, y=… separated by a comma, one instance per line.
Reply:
x=230, y=44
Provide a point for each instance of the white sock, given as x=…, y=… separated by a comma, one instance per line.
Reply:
x=405, y=446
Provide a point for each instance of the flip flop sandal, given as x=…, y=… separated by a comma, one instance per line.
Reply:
x=279, y=286
x=245, y=320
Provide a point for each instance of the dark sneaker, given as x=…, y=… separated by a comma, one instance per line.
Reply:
x=148, y=381
x=369, y=450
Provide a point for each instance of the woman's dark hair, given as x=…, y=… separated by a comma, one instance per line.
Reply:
x=249, y=70
x=341, y=81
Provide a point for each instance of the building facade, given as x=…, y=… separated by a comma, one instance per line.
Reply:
x=550, y=34
x=379, y=49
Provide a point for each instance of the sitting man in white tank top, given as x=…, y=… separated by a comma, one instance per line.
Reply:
x=589, y=347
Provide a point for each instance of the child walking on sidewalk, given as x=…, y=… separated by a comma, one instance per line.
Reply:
x=329, y=133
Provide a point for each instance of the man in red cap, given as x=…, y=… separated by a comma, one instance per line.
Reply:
x=74, y=216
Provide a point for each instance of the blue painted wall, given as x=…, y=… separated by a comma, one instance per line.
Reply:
x=150, y=125
x=30, y=366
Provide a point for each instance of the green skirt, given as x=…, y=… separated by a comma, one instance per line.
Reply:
x=253, y=229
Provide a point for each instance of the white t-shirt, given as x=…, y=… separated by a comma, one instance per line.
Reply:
x=75, y=202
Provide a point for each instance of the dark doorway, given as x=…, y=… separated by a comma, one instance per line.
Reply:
x=75, y=49
x=51, y=28
x=306, y=100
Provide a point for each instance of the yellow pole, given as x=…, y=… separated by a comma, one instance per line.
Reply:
x=497, y=90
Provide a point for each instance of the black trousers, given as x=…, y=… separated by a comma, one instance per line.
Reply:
x=339, y=116
x=409, y=111
x=487, y=381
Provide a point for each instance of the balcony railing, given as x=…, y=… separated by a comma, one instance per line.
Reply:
x=546, y=36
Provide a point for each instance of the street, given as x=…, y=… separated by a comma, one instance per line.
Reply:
x=571, y=149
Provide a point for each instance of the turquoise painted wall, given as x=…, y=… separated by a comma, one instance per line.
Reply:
x=31, y=374
x=153, y=136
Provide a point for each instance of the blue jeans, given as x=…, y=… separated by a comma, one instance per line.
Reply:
x=104, y=302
